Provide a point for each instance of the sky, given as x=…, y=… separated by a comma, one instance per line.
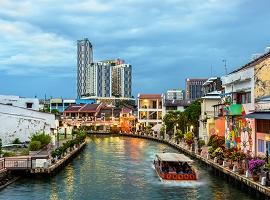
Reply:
x=165, y=41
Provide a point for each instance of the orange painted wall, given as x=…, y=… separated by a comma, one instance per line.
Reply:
x=220, y=126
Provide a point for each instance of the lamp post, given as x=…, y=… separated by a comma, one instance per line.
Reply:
x=174, y=131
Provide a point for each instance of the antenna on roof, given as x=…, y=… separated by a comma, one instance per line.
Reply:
x=225, y=66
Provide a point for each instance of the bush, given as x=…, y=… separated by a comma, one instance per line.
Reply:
x=35, y=145
x=201, y=143
x=43, y=138
x=219, y=153
x=189, y=138
x=25, y=152
x=9, y=154
x=16, y=141
x=215, y=141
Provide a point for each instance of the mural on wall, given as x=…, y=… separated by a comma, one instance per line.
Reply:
x=262, y=79
x=239, y=133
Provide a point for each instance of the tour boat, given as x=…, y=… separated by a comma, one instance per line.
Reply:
x=175, y=167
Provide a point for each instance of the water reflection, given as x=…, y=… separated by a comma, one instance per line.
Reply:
x=119, y=168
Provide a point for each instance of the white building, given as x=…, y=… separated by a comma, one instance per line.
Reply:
x=30, y=103
x=17, y=122
x=150, y=109
x=84, y=58
x=121, y=80
x=207, y=121
x=175, y=94
x=99, y=79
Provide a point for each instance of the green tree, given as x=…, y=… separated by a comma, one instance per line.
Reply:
x=193, y=113
x=162, y=131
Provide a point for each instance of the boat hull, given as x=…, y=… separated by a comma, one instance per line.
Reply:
x=175, y=176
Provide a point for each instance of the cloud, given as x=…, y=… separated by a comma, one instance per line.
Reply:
x=163, y=40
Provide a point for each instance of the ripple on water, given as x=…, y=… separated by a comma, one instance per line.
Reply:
x=119, y=168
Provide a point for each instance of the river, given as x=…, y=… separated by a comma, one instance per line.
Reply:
x=119, y=168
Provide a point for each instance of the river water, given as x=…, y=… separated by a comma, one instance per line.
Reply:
x=119, y=168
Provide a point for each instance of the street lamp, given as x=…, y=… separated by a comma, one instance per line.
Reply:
x=191, y=128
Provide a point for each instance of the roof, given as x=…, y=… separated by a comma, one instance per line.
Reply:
x=173, y=157
x=82, y=108
x=258, y=115
x=150, y=96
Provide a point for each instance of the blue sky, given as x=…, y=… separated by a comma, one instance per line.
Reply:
x=165, y=41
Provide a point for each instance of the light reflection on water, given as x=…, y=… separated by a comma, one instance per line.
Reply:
x=119, y=168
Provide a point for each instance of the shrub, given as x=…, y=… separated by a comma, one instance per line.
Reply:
x=219, y=153
x=43, y=138
x=216, y=141
x=9, y=154
x=25, y=152
x=189, y=139
x=16, y=141
x=255, y=165
x=201, y=143
x=35, y=145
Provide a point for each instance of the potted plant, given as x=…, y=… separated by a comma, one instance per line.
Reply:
x=233, y=158
x=211, y=151
x=201, y=143
x=219, y=154
x=189, y=139
x=240, y=157
x=255, y=166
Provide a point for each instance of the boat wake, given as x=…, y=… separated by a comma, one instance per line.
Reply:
x=183, y=184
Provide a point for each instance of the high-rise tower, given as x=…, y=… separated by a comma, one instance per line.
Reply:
x=84, y=58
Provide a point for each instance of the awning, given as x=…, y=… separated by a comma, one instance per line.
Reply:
x=173, y=157
x=258, y=115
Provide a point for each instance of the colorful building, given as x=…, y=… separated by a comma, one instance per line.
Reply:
x=261, y=115
x=150, y=109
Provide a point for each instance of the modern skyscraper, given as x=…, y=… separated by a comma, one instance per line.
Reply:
x=121, y=80
x=98, y=81
x=194, y=88
x=84, y=58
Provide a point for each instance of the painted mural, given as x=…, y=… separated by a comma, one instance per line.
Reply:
x=239, y=132
x=262, y=79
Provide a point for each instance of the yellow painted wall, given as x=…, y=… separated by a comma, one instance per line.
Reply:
x=262, y=79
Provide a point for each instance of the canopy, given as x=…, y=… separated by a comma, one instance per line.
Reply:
x=258, y=115
x=173, y=157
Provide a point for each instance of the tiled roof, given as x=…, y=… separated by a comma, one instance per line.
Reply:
x=89, y=108
x=150, y=96
x=82, y=108
x=74, y=108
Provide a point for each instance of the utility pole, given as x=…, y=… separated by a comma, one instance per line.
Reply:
x=225, y=66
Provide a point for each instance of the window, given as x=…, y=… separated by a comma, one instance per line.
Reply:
x=261, y=146
x=242, y=98
x=29, y=105
x=268, y=146
x=263, y=125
